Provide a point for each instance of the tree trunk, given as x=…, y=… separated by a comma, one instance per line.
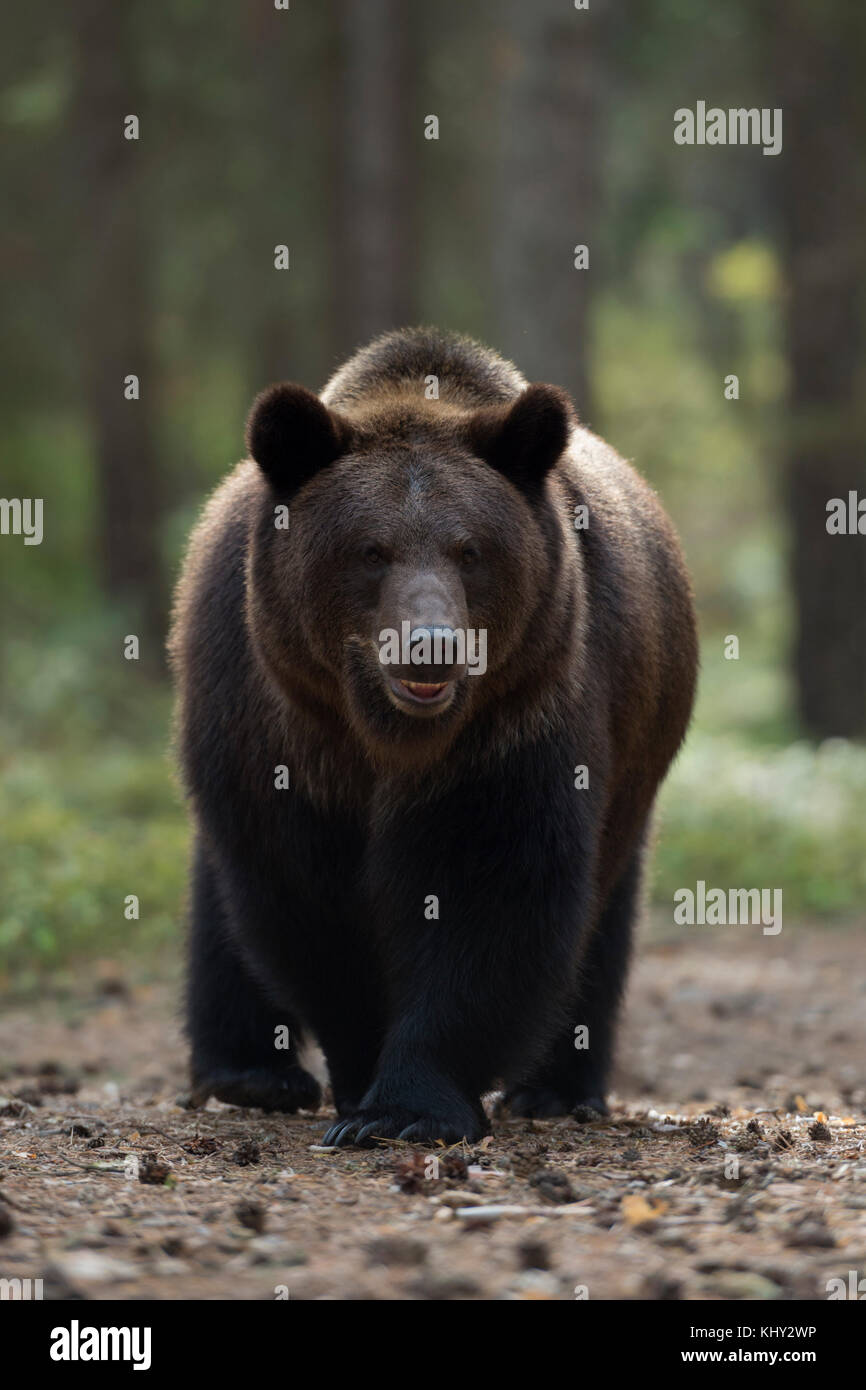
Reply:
x=548, y=204
x=115, y=339
x=378, y=134
x=822, y=199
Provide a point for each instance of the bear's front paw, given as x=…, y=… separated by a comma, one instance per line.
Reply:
x=545, y=1103
x=287, y=1091
x=414, y=1123
x=536, y=1102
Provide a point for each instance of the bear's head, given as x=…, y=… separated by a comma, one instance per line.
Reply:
x=400, y=555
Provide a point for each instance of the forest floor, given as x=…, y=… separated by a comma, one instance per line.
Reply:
x=732, y=1166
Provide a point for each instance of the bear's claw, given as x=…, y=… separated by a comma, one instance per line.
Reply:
x=363, y=1129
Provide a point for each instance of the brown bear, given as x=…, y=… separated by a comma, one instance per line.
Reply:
x=435, y=650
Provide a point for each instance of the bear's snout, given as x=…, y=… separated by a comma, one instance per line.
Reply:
x=435, y=653
x=426, y=663
x=422, y=647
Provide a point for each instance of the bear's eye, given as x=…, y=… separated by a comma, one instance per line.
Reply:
x=373, y=556
x=469, y=557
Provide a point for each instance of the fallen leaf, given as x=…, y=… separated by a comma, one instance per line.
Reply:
x=637, y=1211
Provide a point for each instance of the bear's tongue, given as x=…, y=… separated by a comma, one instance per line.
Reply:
x=424, y=692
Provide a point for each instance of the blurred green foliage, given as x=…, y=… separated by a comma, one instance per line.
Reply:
x=745, y=816
x=88, y=806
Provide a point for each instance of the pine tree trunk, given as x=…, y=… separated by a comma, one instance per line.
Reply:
x=115, y=336
x=822, y=173
x=548, y=204
x=379, y=134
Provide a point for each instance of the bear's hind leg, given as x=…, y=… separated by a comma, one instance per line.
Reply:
x=234, y=1029
x=573, y=1078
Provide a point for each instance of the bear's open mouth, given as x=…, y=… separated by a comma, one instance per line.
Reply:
x=421, y=693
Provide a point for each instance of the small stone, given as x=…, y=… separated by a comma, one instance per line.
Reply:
x=252, y=1215
x=533, y=1254
x=28, y=1095
x=439, y=1287
x=811, y=1234
x=396, y=1250
x=462, y=1199
x=92, y=1267
x=274, y=1249
x=534, y=1284
x=741, y=1283
x=552, y=1185
x=169, y=1267
x=662, y=1288
x=669, y=1236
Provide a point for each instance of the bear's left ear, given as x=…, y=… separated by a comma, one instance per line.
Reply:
x=524, y=440
x=292, y=435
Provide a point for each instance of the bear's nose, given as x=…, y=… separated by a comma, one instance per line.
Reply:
x=435, y=653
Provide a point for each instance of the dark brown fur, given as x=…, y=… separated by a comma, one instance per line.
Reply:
x=592, y=658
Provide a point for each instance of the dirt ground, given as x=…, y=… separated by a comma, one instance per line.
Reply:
x=733, y=1165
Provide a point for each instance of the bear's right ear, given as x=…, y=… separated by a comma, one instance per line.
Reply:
x=292, y=435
